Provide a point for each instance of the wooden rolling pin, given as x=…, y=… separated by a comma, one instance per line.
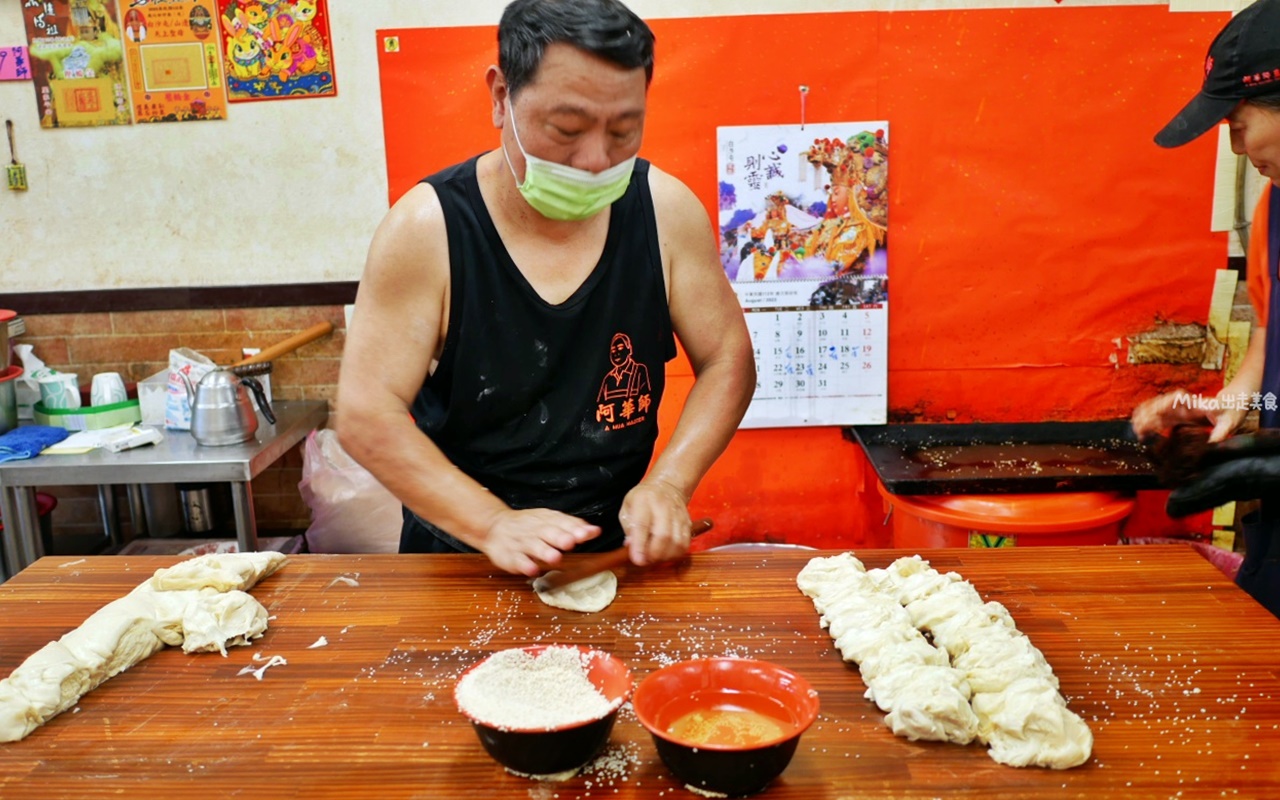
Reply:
x=596, y=563
x=288, y=345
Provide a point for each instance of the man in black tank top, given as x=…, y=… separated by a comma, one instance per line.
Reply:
x=506, y=362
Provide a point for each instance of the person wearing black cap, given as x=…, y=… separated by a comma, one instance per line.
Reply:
x=1242, y=87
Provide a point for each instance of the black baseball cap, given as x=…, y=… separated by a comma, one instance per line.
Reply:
x=1243, y=62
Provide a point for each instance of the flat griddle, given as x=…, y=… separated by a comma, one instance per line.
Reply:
x=1006, y=458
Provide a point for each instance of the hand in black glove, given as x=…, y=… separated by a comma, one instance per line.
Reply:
x=1249, y=478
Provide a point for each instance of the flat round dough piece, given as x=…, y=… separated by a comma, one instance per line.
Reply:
x=592, y=593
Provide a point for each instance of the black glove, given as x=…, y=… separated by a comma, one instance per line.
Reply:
x=1250, y=478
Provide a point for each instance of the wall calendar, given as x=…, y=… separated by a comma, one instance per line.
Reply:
x=804, y=241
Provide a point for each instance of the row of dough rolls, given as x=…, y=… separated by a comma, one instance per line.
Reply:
x=974, y=676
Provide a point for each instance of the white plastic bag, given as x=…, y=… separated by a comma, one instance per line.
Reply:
x=28, y=386
x=186, y=368
x=351, y=512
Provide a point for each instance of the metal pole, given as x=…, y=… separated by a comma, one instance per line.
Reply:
x=246, y=523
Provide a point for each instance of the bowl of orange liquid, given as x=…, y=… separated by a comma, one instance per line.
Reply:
x=725, y=725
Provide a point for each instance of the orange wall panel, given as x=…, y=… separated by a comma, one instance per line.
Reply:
x=1032, y=222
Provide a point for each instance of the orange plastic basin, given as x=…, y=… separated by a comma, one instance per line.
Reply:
x=1006, y=520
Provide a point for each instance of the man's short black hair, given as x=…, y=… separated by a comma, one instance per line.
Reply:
x=605, y=28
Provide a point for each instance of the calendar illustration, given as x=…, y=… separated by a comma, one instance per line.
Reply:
x=804, y=218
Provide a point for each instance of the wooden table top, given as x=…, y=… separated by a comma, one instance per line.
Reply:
x=1174, y=668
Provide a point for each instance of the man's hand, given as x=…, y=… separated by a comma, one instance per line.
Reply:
x=655, y=519
x=1158, y=415
x=526, y=541
x=1226, y=417
x=1248, y=478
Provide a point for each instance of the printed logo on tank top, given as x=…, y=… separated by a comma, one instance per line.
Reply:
x=626, y=396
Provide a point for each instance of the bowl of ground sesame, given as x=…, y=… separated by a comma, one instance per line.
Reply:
x=725, y=726
x=544, y=710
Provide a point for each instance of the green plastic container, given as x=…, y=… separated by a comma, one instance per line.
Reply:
x=92, y=418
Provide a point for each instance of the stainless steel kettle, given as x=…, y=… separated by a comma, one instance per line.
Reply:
x=221, y=413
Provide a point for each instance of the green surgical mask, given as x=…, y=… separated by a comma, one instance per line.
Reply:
x=561, y=192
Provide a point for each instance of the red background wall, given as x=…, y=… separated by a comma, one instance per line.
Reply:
x=1033, y=223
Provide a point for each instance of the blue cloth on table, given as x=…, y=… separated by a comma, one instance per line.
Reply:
x=28, y=440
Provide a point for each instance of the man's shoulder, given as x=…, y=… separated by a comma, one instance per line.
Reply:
x=416, y=207
x=669, y=192
x=415, y=219
x=452, y=174
x=661, y=180
x=674, y=203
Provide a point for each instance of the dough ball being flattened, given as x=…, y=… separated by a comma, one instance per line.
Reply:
x=591, y=594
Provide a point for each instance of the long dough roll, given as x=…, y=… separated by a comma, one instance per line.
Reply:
x=199, y=604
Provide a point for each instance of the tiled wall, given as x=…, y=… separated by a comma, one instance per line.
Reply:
x=136, y=344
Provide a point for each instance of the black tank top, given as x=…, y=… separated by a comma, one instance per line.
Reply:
x=550, y=406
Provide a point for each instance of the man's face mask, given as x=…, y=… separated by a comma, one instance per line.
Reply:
x=561, y=192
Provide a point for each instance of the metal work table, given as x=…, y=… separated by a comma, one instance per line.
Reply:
x=177, y=459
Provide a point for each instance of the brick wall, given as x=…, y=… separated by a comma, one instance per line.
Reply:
x=136, y=344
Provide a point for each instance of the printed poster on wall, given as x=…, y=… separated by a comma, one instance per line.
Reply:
x=77, y=62
x=276, y=50
x=804, y=216
x=173, y=53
